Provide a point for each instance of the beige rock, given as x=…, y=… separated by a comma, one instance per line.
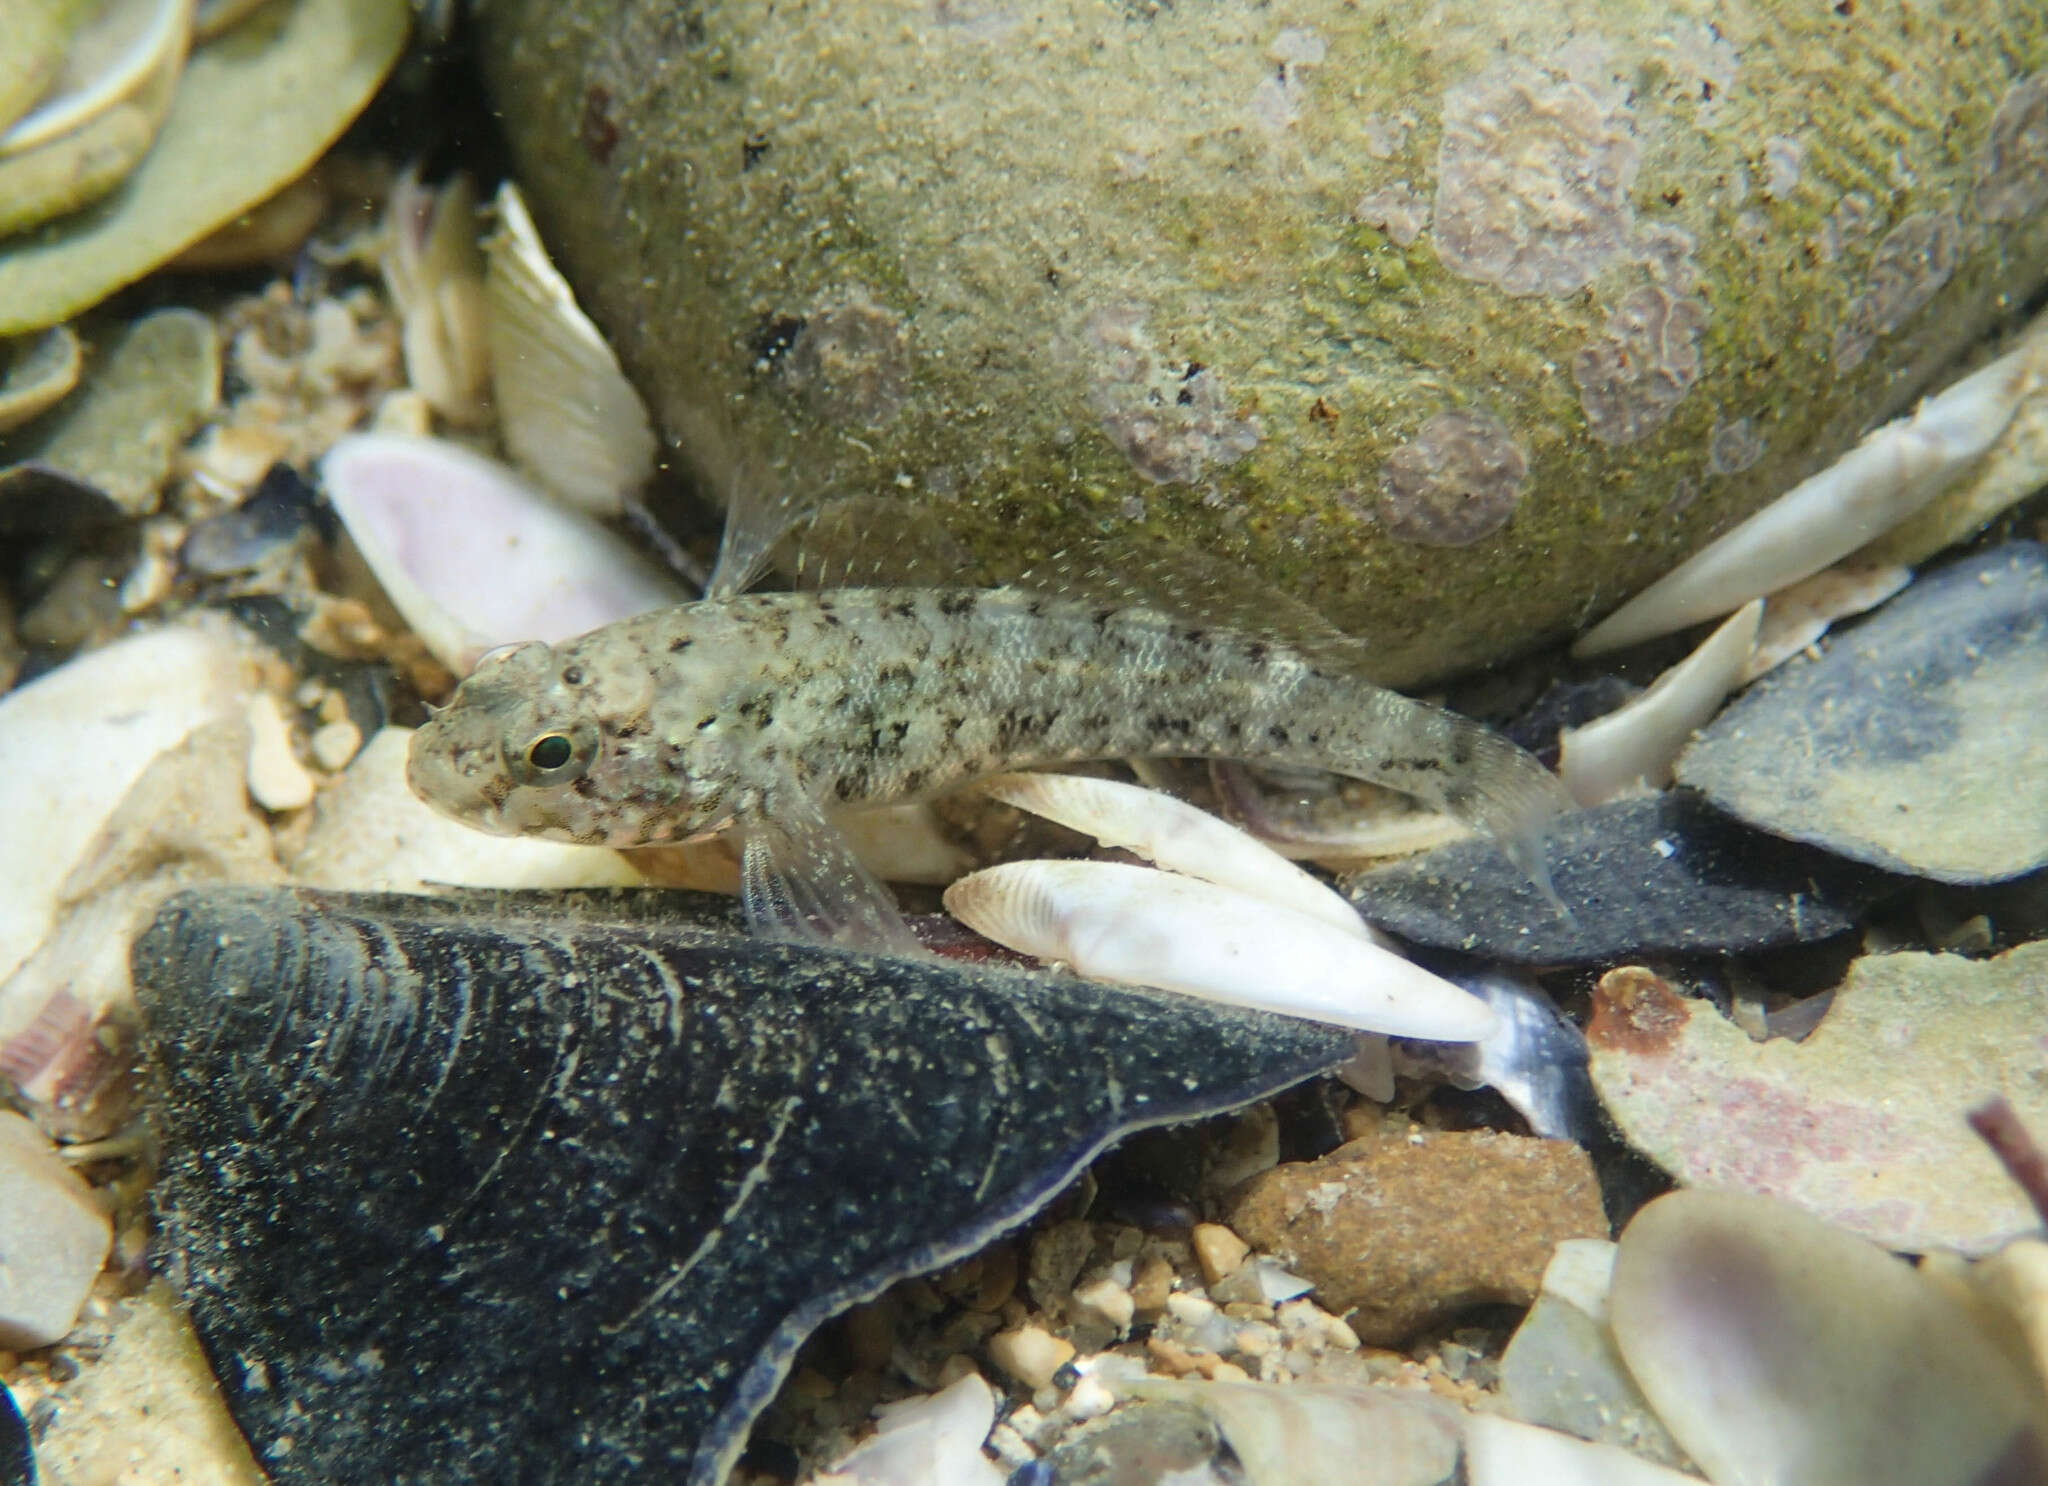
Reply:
x=277, y=780
x=1218, y=1251
x=54, y=1237
x=334, y=744
x=1151, y=1285
x=1030, y=1354
x=147, y=1410
x=1397, y=1232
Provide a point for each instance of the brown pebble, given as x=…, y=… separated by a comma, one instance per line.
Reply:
x=1218, y=1251
x=1399, y=1231
x=871, y=1334
x=1150, y=1285
x=1173, y=1360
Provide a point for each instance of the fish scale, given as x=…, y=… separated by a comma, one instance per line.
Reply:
x=760, y=709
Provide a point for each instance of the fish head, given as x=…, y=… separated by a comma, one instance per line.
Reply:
x=538, y=742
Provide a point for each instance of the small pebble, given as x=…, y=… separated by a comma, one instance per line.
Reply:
x=277, y=780
x=1030, y=1354
x=1109, y=1300
x=1190, y=1310
x=335, y=744
x=1218, y=1251
x=1152, y=1285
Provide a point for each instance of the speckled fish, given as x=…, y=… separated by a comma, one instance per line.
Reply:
x=761, y=711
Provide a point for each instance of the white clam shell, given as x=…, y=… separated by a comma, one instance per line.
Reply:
x=1777, y=1348
x=1634, y=746
x=473, y=557
x=1176, y=836
x=1876, y=485
x=1140, y=927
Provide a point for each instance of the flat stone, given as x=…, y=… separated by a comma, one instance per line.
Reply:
x=1561, y=1369
x=1915, y=742
x=1661, y=874
x=551, y=1187
x=1400, y=1231
x=1862, y=1122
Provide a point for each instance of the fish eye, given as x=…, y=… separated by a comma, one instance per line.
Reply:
x=550, y=751
x=556, y=757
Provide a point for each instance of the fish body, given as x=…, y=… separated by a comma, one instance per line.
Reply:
x=776, y=706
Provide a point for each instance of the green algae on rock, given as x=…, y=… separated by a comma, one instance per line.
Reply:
x=1459, y=322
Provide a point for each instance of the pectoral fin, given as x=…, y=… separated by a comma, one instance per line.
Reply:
x=800, y=881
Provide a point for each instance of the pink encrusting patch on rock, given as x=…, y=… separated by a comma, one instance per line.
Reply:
x=1455, y=481
x=1908, y=269
x=1398, y=210
x=1171, y=418
x=2012, y=176
x=1533, y=179
x=1634, y=375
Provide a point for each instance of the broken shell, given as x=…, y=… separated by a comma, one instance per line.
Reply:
x=38, y=31
x=121, y=434
x=36, y=371
x=1283, y=1436
x=1176, y=836
x=1136, y=926
x=931, y=1441
x=1506, y=1452
x=473, y=557
x=1634, y=746
x=569, y=416
x=215, y=16
x=251, y=112
x=338, y=1077
x=434, y=272
x=1798, y=615
x=72, y=742
x=101, y=114
x=1883, y=480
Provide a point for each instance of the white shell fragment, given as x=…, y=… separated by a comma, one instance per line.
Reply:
x=1779, y=1349
x=473, y=557
x=72, y=742
x=1504, y=1452
x=1140, y=927
x=1797, y=616
x=930, y=1441
x=54, y=1237
x=568, y=414
x=1633, y=747
x=277, y=780
x=1176, y=836
x=434, y=272
x=1329, y=1434
x=1886, y=478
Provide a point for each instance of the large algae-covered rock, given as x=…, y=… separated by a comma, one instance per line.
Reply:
x=1458, y=318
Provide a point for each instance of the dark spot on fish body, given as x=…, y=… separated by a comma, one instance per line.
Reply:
x=675, y=647
x=896, y=674
x=958, y=603
x=902, y=608
x=914, y=781
x=898, y=731
x=1277, y=735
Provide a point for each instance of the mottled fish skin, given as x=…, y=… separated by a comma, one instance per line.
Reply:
x=681, y=721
